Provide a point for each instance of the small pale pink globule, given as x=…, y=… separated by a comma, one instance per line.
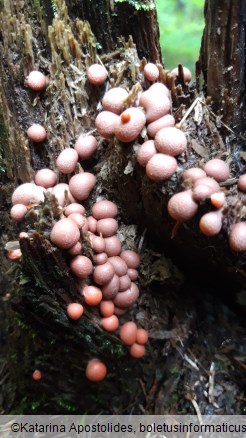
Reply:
x=81, y=185
x=151, y=72
x=98, y=244
x=46, y=178
x=125, y=283
x=130, y=130
x=65, y=233
x=163, y=122
x=107, y=227
x=113, y=99
x=242, y=182
x=37, y=375
x=36, y=133
x=131, y=258
x=86, y=146
x=14, y=254
x=103, y=273
x=81, y=266
x=204, y=187
x=132, y=274
x=210, y=223
x=17, y=212
x=92, y=224
x=106, y=308
x=110, y=289
x=218, y=169
x=155, y=101
x=100, y=258
x=79, y=219
x=142, y=336
x=97, y=74
x=119, y=265
x=201, y=192
x=128, y=297
x=193, y=174
x=237, y=237
x=181, y=206
x=112, y=246
x=36, y=80
x=218, y=199
x=27, y=193
x=67, y=160
x=146, y=151
x=104, y=209
x=161, y=167
x=170, y=141
x=105, y=122
x=74, y=208
x=75, y=311
x=76, y=249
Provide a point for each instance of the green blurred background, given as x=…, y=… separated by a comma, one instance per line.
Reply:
x=181, y=26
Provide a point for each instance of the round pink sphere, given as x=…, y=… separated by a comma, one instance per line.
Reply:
x=146, y=151
x=97, y=74
x=113, y=100
x=65, y=233
x=237, y=237
x=81, y=266
x=170, y=141
x=67, y=160
x=45, y=178
x=162, y=122
x=130, y=130
x=151, y=72
x=86, y=146
x=17, y=212
x=104, y=209
x=161, y=167
x=36, y=133
x=81, y=185
x=36, y=80
x=218, y=169
x=105, y=123
x=182, y=207
x=27, y=193
x=242, y=182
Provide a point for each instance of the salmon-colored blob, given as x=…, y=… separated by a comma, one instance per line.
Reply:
x=142, y=336
x=95, y=370
x=37, y=375
x=75, y=311
x=106, y=308
x=137, y=351
x=92, y=295
x=128, y=333
x=110, y=324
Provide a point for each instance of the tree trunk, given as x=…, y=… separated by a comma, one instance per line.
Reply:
x=55, y=38
x=223, y=59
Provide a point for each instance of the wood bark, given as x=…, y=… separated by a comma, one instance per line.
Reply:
x=55, y=38
x=223, y=59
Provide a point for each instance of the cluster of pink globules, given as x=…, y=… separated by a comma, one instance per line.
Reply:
x=106, y=279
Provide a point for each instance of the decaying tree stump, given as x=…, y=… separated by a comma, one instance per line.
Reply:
x=56, y=39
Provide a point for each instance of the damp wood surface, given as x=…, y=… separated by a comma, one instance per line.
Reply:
x=188, y=283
